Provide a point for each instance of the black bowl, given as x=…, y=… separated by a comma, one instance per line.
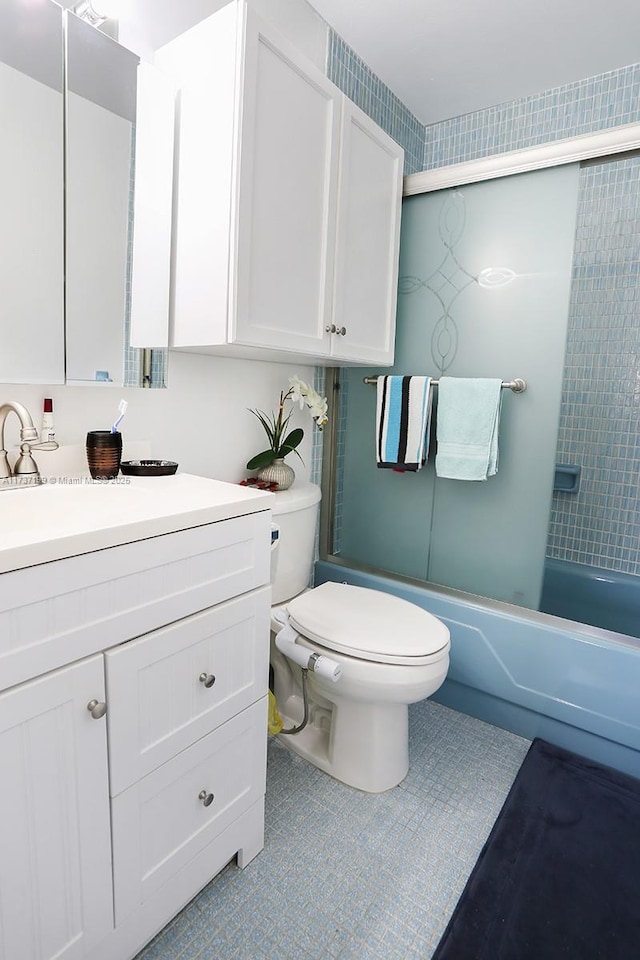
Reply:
x=148, y=468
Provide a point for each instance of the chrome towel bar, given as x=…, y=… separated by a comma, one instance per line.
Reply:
x=517, y=386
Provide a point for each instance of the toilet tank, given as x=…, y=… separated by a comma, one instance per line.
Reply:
x=295, y=513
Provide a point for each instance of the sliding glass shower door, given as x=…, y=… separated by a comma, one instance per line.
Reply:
x=485, y=277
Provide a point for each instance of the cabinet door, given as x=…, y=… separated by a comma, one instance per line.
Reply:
x=55, y=847
x=368, y=241
x=287, y=190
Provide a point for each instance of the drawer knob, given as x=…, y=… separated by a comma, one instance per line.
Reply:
x=96, y=709
x=207, y=798
x=341, y=331
x=208, y=679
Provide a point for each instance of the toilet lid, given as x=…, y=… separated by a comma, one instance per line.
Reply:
x=368, y=624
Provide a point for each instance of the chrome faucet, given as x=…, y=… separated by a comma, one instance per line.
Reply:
x=25, y=472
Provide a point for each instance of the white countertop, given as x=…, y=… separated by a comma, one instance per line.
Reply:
x=64, y=519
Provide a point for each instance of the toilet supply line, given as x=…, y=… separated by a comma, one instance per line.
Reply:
x=308, y=660
x=305, y=701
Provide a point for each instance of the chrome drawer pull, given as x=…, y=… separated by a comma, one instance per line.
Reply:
x=207, y=798
x=208, y=679
x=96, y=709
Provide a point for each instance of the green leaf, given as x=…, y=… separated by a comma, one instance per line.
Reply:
x=292, y=441
x=269, y=426
x=285, y=451
x=261, y=460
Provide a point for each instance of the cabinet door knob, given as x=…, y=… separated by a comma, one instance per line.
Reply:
x=207, y=798
x=341, y=331
x=330, y=328
x=208, y=679
x=96, y=709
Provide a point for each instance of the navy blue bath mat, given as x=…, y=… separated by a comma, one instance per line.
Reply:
x=558, y=877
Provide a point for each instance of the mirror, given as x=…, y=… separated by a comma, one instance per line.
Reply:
x=31, y=191
x=119, y=168
x=110, y=262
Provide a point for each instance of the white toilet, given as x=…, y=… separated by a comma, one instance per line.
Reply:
x=388, y=653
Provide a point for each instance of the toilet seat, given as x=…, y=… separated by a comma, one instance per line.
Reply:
x=368, y=624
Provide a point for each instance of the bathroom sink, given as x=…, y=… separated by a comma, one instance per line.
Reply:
x=76, y=515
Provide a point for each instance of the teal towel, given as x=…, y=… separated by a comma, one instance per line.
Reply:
x=467, y=428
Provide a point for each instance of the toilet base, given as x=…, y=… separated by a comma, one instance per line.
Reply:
x=363, y=745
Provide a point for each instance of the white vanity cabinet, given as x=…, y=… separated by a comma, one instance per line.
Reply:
x=288, y=203
x=134, y=768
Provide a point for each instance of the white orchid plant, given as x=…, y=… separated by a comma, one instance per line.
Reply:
x=275, y=425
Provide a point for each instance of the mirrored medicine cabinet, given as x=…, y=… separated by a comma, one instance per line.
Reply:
x=86, y=180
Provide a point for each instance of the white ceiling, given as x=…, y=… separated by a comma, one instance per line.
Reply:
x=455, y=56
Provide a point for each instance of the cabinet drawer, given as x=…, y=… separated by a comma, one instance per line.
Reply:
x=158, y=705
x=58, y=612
x=160, y=823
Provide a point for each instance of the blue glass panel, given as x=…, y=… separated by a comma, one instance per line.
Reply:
x=485, y=280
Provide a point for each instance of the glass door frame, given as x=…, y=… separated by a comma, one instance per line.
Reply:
x=614, y=142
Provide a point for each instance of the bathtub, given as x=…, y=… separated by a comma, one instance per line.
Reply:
x=533, y=674
x=591, y=595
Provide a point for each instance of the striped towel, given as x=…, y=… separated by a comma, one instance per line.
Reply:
x=403, y=414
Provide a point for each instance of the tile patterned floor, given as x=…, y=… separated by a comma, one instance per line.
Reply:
x=351, y=876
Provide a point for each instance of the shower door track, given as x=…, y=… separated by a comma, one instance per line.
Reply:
x=593, y=146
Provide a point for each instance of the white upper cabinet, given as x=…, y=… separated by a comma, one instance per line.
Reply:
x=288, y=203
x=367, y=241
x=286, y=198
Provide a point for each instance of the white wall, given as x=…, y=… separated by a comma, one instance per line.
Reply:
x=202, y=419
x=148, y=24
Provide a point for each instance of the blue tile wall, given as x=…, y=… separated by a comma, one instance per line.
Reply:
x=341, y=413
x=158, y=368
x=360, y=84
x=607, y=100
x=599, y=417
x=319, y=378
x=319, y=384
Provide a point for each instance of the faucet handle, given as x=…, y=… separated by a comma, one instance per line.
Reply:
x=25, y=462
x=25, y=465
x=44, y=445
